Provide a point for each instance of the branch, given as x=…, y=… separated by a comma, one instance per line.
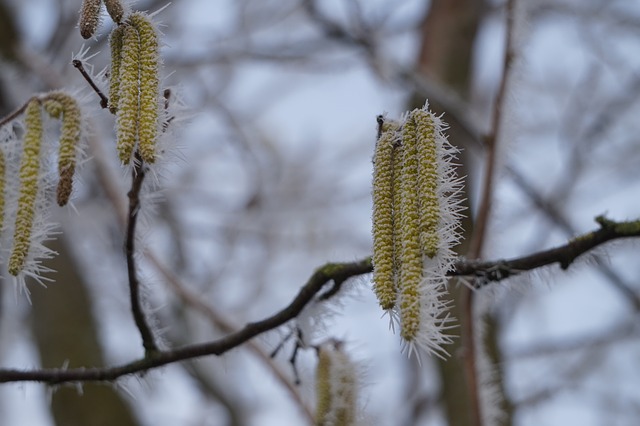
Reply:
x=565, y=255
x=137, y=177
x=498, y=270
x=491, y=140
x=338, y=272
x=15, y=113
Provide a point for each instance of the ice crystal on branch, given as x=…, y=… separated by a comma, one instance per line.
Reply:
x=416, y=215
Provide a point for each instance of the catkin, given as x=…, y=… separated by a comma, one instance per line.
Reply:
x=89, y=17
x=428, y=181
x=410, y=254
x=29, y=176
x=115, y=10
x=149, y=86
x=128, y=115
x=136, y=88
x=336, y=387
x=383, y=217
x=115, y=43
x=61, y=105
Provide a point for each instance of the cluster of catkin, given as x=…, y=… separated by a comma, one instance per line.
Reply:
x=29, y=187
x=134, y=85
x=416, y=213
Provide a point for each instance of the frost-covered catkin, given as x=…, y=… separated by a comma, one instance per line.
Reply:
x=336, y=387
x=428, y=181
x=136, y=87
x=89, y=17
x=29, y=177
x=383, y=216
x=65, y=107
x=411, y=253
x=149, y=85
x=425, y=217
x=127, y=118
x=115, y=43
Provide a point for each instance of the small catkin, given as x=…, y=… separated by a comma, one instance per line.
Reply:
x=336, y=387
x=29, y=176
x=115, y=10
x=411, y=253
x=69, y=139
x=149, y=85
x=115, y=42
x=89, y=17
x=128, y=114
x=383, y=216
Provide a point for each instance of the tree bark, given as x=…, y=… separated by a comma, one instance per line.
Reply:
x=448, y=37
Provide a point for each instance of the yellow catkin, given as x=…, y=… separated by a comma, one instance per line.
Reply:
x=127, y=118
x=428, y=181
x=115, y=42
x=89, y=17
x=115, y=10
x=411, y=253
x=336, y=388
x=61, y=105
x=29, y=176
x=149, y=85
x=383, y=219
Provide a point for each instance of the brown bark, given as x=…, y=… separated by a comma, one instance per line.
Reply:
x=446, y=52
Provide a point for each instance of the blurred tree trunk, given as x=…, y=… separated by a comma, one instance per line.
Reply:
x=445, y=56
x=65, y=334
x=8, y=40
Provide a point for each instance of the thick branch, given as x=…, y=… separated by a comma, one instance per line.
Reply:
x=337, y=272
x=565, y=255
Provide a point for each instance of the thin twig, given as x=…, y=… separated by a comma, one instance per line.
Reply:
x=14, y=114
x=137, y=177
x=491, y=140
x=104, y=101
x=482, y=220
